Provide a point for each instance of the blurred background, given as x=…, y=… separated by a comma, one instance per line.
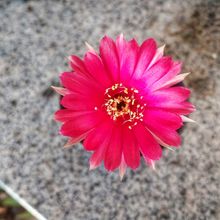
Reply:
x=10, y=209
x=35, y=39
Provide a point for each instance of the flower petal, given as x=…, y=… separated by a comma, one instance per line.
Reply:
x=158, y=70
x=80, y=103
x=164, y=126
x=79, y=83
x=166, y=96
x=75, y=140
x=174, y=70
x=167, y=136
x=67, y=114
x=90, y=48
x=97, y=70
x=77, y=65
x=60, y=90
x=122, y=168
x=128, y=61
x=177, y=79
x=80, y=124
x=145, y=55
x=163, y=118
x=186, y=119
x=96, y=137
x=109, y=57
x=157, y=56
x=130, y=148
x=159, y=141
x=148, y=145
x=99, y=154
x=150, y=162
x=120, y=45
x=114, y=150
x=183, y=108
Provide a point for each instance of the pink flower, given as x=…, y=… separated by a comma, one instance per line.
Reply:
x=123, y=102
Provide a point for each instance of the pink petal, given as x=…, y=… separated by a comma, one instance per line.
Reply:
x=148, y=145
x=99, y=154
x=120, y=45
x=109, y=56
x=163, y=118
x=167, y=136
x=146, y=53
x=90, y=48
x=163, y=125
x=79, y=83
x=74, y=140
x=174, y=70
x=158, y=70
x=80, y=103
x=159, y=141
x=114, y=150
x=186, y=119
x=150, y=162
x=164, y=97
x=97, y=157
x=183, y=108
x=157, y=56
x=67, y=114
x=67, y=80
x=96, y=137
x=97, y=70
x=171, y=82
x=122, y=168
x=130, y=148
x=60, y=90
x=80, y=124
x=84, y=92
x=128, y=61
x=78, y=65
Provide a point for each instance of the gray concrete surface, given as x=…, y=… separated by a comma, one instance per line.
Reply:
x=35, y=39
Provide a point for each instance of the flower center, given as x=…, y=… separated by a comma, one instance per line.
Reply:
x=124, y=104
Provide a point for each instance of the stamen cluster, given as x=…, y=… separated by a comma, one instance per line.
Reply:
x=124, y=104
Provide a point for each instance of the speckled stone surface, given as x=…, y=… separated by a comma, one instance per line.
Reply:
x=35, y=39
